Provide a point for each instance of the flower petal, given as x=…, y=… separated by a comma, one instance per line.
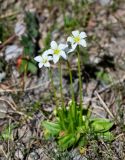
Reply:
x=50, y=58
x=83, y=35
x=73, y=48
x=53, y=45
x=62, y=46
x=40, y=65
x=47, y=52
x=38, y=58
x=75, y=33
x=83, y=43
x=70, y=39
x=47, y=64
x=63, y=54
x=55, y=58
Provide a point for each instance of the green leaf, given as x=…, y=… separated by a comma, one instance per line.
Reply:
x=27, y=66
x=47, y=40
x=101, y=125
x=107, y=136
x=70, y=22
x=31, y=24
x=103, y=76
x=32, y=67
x=7, y=133
x=82, y=129
x=29, y=46
x=67, y=141
x=51, y=128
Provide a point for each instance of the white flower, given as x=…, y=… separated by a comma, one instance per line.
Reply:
x=77, y=38
x=57, y=51
x=43, y=60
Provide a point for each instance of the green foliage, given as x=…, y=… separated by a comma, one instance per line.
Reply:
x=84, y=2
x=4, y=27
x=72, y=128
x=67, y=141
x=115, y=5
x=7, y=133
x=28, y=66
x=47, y=40
x=103, y=76
x=101, y=125
x=2, y=64
x=106, y=136
x=70, y=23
x=31, y=25
x=29, y=46
x=52, y=129
x=29, y=41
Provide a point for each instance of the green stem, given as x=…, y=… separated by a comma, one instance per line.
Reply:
x=80, y=79
x=80, y=86
x=25, y=75
x=62, y=112
x=72, y=114
x=61, y=89
x=59, y=112
x=53, y=88
x=71, y=83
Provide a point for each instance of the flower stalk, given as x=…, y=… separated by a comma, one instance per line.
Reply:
x=80, y=78
x=71, y=83
x=53, y=87
x=72, y=107
x=61, y=88
x=80, y=85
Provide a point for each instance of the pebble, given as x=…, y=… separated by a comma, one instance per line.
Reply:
x=19, y=155
x=12, y=51
x=3, y=109
x=2, y=76
x=25, y=133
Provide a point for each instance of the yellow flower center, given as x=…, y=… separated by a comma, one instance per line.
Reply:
x=56, y=51
x=76, y=39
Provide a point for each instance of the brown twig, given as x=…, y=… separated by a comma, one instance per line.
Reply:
x=26, y=89
x=14, y=109
x=120, y=135
x=10, y=39
x=1, y=149
x=8, y=14
x=104, y=105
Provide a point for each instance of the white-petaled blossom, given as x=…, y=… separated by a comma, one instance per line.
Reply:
x=77, y=38
x=44, y=59
x=57, y=51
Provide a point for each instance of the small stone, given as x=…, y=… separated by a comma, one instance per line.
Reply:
x=42, y=154
x=19, y=29
x=3, y=109
x=2, y=76
x=104, y=2
x=12, y=51
x=19, y=155
x=33, y=156
x=25, y=134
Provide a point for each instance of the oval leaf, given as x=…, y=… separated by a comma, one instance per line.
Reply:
x=101, y=125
